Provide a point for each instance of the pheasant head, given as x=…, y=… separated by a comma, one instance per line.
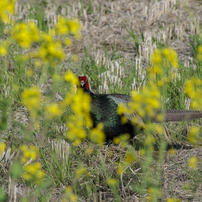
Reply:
x=84, y=84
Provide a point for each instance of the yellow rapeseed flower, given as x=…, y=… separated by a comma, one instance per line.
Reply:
x=25, y=34
x=173, y=200
x=193, y=162
x=97, y=135
x=75, y=58
x=29, y=73
x=33, y=171
x=173, y=151
x=80, y=172
x=2, y=147
x=111, y=182
x=89, y=151
x=142, y=152
x=31, y=152
x=67, y=41
x=121, y=108
x=53, y=110
x=193, y=135
x=37, y=63
x=31, y=98
x=69, y=195
x=159, y=129
x=129, y=158
x=3, y=50
x=200, y=49
x=156, y=57
x=70, y=77
x=6, y=7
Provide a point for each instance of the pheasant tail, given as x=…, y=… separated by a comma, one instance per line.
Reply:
x=179, y=115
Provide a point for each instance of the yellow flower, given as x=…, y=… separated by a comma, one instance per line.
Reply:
x=33, y=172
x=37, y=63
x=29, y=73
x=75, y=58
x=6, y=7
x=159, y=129
x=124, y=120
x=74, y=26
x=193, y=162
x=116, y=140
x=53, y=110
x=111, y=182
x=69, y=196
x=193, y=135
x=79, y=172
x=149, y=140
x=142, y=152
x=199, y=56
x=97, y=135
x=25, y=34
x=156, y=57
x=31, y=98
x=31, y=152
x=129, y=158
x=173, y=151
x=200, y=49
x=89, y=151
x=3, y=51
x=68, y=41
x=121, y=108
x=120, y=169
x=70, y=77
x=173, y=200
x=2, y=147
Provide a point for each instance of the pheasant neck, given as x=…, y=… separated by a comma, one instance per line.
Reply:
x=89, y=92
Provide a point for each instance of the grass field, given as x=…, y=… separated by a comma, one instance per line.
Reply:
x=152, y=47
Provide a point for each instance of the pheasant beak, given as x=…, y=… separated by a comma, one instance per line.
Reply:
x=82, y=83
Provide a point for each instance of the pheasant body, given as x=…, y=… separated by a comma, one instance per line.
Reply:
x=104, y=110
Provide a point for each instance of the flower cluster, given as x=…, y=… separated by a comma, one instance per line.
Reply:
x=128, y=160
x=32, y=171
x=7, y=7
x=50, y=47
x=25, y=34
x=143, y=104
x=31, y=98
x=53, y=110
x=154, y=192
x=173, y=200
x=193, y=136
x=163, y=61
x=194, y=91
x=122, y=139
x=31, y=152
x=66, y=26
x=112, y=182
x=81, y=172
x=69, y=196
